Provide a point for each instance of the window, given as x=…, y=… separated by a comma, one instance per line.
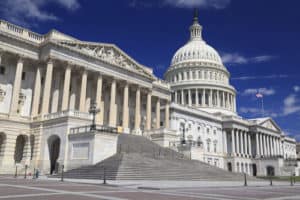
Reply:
x=215, y=132
x=215, y=147
x=208, y=146
x=2, y=70
x=199, y=128
x=207, y=130
x=23, y=76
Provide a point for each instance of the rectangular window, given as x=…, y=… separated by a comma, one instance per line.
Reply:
x=2, y=70
x=23, y=76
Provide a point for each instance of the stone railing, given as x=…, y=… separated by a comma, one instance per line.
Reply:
x=86, y=129
x=68, y=113
x=21, y=32
x=235, y=118
x=162, y=83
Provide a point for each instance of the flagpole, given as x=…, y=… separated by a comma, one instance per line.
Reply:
x=262, y=107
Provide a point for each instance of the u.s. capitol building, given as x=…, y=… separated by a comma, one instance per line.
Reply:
x=48, y=83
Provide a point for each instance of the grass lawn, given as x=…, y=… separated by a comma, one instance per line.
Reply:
x=280, y=178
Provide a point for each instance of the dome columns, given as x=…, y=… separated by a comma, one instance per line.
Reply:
x=205, y=98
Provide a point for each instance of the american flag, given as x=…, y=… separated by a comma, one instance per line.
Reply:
x=259, y=95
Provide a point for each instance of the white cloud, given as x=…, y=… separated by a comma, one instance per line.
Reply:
x=217, y=4
x=291, y=105
x=236, y=58
x=272, y=76
x=263, y=91
x=296, y=88
x=26, y=12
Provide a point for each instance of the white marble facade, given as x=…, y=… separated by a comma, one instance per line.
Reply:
x=204, y=113
x=48, y=83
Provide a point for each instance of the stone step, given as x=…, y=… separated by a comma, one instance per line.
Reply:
x=130, y=164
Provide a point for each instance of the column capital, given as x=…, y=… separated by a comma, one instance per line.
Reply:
x=20, y=58
x=49, y=60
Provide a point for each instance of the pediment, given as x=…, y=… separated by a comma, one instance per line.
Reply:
x=108, y=53
x=270, y=124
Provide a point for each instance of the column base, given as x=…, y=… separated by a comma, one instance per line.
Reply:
x=126, y=130
x=137, y=132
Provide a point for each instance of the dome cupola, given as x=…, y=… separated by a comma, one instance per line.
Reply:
x=198, y=77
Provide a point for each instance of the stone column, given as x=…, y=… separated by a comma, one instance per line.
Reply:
x=257, y=144
x=227, y=102
x=16, y=88
x=218, y=99
x=83, y=91
x=233, y=141
x=190, y=97
x=262, y=152
x=277, y=147
x=223, y=99
x=197, y=97
x=203, y=98
x=210, y=98
x=225, y=142
x=55, y=94
x=112, y=107
x=267, y=145
x=175, y=97
x=246, y=143
x=66, y=91
x=47, y=88
x=157, y=113
x=272, y=146
x=182, y=97
x=242, y=142
x=249, y=145
x=237, y=142
x=280, y=148
x=99, y=102
x=126, y=108
x=137, y=122
x=167, y=115
x=148, y=110
x=37, y=93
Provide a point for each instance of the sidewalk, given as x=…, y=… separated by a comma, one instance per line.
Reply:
x=175, y=184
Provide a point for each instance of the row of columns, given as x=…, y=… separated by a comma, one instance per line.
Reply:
x=198, y=75
x=46, y=92
x=241, y=143
x=205, y=97
x=268, y=145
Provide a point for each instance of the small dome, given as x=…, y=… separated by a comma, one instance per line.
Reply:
x=196, y=51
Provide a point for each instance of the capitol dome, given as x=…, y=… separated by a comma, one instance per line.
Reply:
x=196, y=50
x=198, y=77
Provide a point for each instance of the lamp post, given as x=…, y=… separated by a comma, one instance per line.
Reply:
x=94, y=111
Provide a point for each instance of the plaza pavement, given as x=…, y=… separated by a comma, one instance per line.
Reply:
x=53, y=189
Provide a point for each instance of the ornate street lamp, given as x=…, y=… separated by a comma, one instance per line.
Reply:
x=94, y=111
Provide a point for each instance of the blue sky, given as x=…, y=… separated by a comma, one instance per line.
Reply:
x=258, y=40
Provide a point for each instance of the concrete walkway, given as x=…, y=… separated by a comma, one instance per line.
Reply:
x=176, y=184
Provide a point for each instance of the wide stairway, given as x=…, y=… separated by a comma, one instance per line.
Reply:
x=140, y=159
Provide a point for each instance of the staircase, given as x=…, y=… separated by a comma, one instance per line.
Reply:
x=140, y=159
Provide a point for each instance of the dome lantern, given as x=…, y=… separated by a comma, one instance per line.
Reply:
x=196, y=28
